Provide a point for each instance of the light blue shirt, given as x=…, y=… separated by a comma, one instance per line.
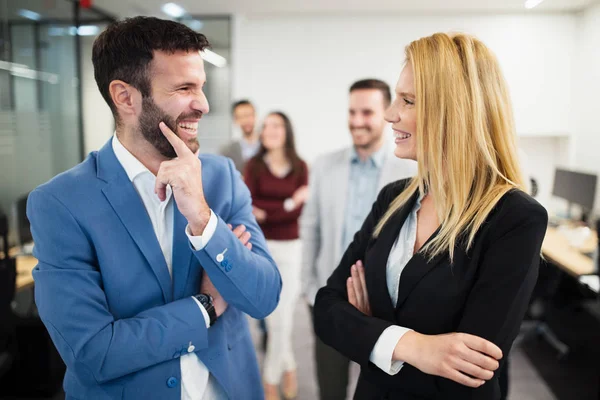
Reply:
x=249, y=150
x=402, y=252
x=362, y=192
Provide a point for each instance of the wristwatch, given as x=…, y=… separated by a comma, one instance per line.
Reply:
x=207, y=302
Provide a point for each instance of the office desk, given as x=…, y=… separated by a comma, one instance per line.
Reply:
x=556, y=248
x=25, y=265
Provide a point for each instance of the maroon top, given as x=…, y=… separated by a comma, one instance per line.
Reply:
x=268, y=193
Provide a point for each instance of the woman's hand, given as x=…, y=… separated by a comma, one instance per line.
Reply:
x=300, y=195
x=463, y=358
x=260, y=215
x=357, y=289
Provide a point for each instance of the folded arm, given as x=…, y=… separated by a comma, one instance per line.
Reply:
x=73, y=306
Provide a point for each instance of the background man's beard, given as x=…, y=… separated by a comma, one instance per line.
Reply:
x=151, y=116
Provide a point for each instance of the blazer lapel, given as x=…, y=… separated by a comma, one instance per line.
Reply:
x=182, y=255
x=416, y=269
x=376, y=271
x=127, y=204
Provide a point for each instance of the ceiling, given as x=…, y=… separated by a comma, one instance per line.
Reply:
x=123, y=8
x=47, y=9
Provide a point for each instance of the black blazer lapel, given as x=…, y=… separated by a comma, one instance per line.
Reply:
x=415, y=270
x=376, y=262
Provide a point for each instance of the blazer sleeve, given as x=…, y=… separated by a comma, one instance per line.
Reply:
x=247, y=279
x=71, y=302
x=497, y=303
x=338, y=323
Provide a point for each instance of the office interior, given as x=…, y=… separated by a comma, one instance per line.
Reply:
x=301, y=57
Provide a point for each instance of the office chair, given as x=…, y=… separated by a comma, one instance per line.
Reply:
x=7, y=291
x=534, y=187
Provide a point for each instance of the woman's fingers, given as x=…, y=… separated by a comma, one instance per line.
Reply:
x=481, y=345
x=472, y=370
x=351, y=293
x=363, y=284
x=481, y=360
x=357, y=288
x=463, y=379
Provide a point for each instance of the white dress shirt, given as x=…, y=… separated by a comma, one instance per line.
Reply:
x=400, y=255
x=196, y=381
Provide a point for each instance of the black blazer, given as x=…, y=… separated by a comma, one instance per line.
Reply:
x=485, y=293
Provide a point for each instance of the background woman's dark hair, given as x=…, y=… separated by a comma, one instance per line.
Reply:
x=258, y=163
x=124, y=50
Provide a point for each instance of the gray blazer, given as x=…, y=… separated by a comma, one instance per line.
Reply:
x=322, y=218
x=233, y=150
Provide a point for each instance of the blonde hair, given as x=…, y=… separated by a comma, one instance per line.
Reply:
x=466, y=150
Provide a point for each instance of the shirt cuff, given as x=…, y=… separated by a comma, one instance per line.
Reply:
x=383, y=351
x=200, y=242
x=204, y=312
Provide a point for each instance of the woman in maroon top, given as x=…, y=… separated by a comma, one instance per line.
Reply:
x=277, y=179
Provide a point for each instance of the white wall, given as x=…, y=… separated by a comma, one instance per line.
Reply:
x=586, y=92
x=304, y=65
x=98, y=122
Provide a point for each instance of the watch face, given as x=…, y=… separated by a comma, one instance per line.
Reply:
x=203, y=299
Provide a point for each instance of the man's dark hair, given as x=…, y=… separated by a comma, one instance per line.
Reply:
x=238, y=103
x=374, y=84
x=124, y=50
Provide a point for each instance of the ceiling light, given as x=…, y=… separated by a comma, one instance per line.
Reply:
x=88, y=30
x=173, y=10
x=213, y=58
x=529, y=4
x=29, y=15
x=195, y=24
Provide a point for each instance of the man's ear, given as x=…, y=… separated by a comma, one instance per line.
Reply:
x=126, y=98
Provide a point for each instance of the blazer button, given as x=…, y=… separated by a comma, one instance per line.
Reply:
x=172, y=382
x=191, y=348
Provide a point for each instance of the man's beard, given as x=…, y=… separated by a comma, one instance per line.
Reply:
x=151, y=116
x=372, y=138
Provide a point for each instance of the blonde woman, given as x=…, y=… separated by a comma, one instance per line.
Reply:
x=429, y=296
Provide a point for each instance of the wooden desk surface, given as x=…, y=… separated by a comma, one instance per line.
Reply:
x=557, y=249
x=25, y=265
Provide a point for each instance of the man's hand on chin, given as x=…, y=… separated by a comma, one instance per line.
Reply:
x=184, y=175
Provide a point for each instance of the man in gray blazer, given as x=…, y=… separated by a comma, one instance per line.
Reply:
x=343, y=186
x=240, y=151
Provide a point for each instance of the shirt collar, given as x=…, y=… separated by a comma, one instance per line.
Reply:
x=376, y=159
x=132, y=166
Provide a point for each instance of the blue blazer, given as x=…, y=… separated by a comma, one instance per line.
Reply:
x=104, y=292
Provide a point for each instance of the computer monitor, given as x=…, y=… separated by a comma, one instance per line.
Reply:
x=576, y=188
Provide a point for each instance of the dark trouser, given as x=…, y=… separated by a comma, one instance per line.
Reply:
x=333, y=370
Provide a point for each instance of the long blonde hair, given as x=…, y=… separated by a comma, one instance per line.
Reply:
x=466, y=150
